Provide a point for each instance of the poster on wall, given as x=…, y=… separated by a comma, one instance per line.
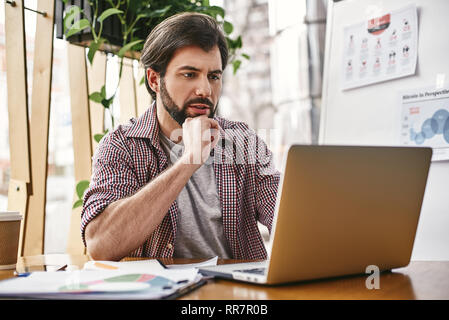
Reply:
x=381, y=48
x=425, y=120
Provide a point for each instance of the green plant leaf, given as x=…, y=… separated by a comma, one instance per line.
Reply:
x=103, y=91
x=216, y=10
x=142, y=81
x=247, y=57
x=234, y=44
x=96, y=97
x=93, y=47
x=228, y=27
x=236, y=65
x=98, y=137
x=158, y=13
x=70, y=16
x=107, y=13
x=230, y=43
x=81, y=187
x=78, y=203
x=238, y=42
x=127, y=47
x=107, y=102
x=78, y=26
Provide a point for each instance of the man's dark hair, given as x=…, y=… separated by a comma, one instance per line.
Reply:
x=178, y=31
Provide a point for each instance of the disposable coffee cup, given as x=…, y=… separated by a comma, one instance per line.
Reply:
x=9, y=238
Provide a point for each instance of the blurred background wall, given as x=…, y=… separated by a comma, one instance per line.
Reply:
x=278, y=91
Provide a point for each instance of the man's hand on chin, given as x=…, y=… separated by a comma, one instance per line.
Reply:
x=200, y=135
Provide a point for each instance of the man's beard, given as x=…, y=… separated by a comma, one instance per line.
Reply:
x=180, y=114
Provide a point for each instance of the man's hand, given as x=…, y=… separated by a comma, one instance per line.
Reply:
x=200, y=135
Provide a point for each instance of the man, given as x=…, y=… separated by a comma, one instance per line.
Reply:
x=178, y=181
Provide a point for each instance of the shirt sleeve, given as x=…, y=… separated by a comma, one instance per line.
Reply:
x=113, y=178
x=267, y=182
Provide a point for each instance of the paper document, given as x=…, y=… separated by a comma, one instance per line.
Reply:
x=144, y=279
x=207, y=263
x=425, y=120
x=151, y=265
x=185, y=272
x=381, y=48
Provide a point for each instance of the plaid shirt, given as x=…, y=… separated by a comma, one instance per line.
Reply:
x=130, y=157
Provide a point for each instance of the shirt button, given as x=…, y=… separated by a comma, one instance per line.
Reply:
x=170, y=246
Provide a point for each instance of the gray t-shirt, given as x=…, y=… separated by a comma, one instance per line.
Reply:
x=200, y=223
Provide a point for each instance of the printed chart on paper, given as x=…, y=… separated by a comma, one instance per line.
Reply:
x=380, y=49
x=425, y=120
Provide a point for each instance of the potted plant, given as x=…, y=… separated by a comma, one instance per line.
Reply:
x=120, y=27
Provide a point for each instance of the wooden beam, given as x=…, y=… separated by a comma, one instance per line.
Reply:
x=39, y=127
x=18, y=201
x=96, y=76
x=20, y=181
x=17, y=92
x=82, y=136
x=128, y=107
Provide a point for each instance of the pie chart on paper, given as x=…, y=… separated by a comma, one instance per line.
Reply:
x=121, y=283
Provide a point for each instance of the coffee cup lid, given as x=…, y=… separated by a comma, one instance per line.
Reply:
x=10, y=216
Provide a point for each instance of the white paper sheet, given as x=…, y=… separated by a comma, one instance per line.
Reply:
x=210, y=262
x=425, y=120
x=143, y=279
x=380, y=49
x=151, y=266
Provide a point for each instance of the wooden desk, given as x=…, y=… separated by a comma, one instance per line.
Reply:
x=420, y=280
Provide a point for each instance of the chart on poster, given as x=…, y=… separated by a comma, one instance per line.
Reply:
x=425, y=120
x=381, y=48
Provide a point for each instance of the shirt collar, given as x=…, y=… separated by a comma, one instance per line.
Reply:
x=146, y=126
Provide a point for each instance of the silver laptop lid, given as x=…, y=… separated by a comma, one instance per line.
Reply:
x=343, y=208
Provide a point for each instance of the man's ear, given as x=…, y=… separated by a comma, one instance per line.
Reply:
x=153, y=79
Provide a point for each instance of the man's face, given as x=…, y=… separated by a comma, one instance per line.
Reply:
x=192, y=83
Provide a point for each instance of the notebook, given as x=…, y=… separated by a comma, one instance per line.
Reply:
x=339, y=210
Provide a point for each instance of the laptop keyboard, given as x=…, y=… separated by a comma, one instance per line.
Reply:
x=260, y=271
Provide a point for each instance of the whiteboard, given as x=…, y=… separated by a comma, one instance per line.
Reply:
x=370, y=115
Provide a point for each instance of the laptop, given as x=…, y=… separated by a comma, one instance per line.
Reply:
x=339, y=210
